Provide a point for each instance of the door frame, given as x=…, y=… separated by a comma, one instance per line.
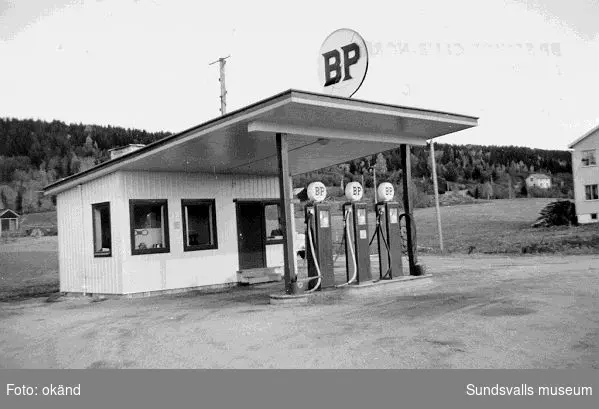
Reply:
x=263, y=202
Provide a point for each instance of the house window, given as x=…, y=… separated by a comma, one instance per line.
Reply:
x=149, y=226
x=591, y=192
x=588, y=158
x=101, y=229
x=272, y=220
x=199, y=224
x=593, y=216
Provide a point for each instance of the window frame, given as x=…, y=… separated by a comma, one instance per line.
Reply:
x=268, y=241
x=96, y=206
x=214, y=245
x=582, y=159
x=591, y=195
x=167, y=247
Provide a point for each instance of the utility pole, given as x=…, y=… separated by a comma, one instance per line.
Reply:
x=374, y=184
x=223, y=89
x=436, y=189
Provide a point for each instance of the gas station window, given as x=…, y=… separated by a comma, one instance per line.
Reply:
x=101, y=229
x=149, y=226
x=272, y=216
x=199, y=224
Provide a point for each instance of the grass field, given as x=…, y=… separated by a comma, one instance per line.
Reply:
x=498, y=226
x=503, y=226
x=29, y=265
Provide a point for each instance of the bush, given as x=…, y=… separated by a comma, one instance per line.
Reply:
x=562, y=212
x=500, y=192
x=553, y=192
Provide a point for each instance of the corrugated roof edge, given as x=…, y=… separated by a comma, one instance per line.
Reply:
x=161, y=142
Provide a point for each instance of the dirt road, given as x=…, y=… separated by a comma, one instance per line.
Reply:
x=478, y=312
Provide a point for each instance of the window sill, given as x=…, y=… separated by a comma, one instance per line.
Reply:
x=198, y=248
x=275, y=241
x=150, y=251
x=103, y=254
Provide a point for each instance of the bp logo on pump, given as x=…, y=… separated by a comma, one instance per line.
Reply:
x=385, y=191
x=353, y=191
x=317, y=192
x=343, y=62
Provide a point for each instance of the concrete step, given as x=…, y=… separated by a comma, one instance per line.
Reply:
x=258, y=280
x=260, y=275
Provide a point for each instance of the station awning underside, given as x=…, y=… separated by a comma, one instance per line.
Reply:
x=322, y=131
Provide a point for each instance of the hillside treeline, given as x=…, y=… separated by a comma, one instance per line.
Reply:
x=35, y=153
x=486, y=172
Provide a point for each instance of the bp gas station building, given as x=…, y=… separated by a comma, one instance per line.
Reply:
x=195, y=209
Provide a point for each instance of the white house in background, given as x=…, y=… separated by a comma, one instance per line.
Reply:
x=204, y=207
x=539, y=180
x=9, y=221
x=585, y=151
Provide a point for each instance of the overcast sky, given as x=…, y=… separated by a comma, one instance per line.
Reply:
x=528, y=69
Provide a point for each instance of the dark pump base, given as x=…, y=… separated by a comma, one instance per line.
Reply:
x=358, y=230
x=389, y=240
x=318, y=219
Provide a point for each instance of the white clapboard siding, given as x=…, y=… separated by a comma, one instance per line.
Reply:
x=80, y=271
x=275, y=255
x=585, y=175
x=180, y=269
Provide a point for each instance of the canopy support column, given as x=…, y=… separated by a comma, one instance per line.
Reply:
x=286, y=215
x=407, y=205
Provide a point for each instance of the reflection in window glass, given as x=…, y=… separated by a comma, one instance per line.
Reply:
x=272, y=216
x=149, y=226
x=101, y=228
x=199, y=221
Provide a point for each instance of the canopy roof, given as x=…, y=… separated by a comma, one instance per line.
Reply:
x=322, y=130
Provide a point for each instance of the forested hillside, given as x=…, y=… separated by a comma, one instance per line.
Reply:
x=35, y=153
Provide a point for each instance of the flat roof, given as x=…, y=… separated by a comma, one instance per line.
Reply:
x=323, y=131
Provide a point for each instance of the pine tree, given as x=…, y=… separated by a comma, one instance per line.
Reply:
x=3, y=199
x=381, y=164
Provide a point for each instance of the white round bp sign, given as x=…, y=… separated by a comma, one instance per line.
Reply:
x=342, y=63
x=386, y=191
x=317, y=192
x=353, y=191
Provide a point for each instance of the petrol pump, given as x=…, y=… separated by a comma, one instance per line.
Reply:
x=319, y=239
x=357, y=249
x=388, y=233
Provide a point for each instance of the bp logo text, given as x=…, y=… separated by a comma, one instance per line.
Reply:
x=342, y=63
x=333, y=63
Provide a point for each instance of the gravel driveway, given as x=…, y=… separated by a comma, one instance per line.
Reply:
x=478, y=312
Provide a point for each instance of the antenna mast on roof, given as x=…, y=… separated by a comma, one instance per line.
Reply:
x=223, y=89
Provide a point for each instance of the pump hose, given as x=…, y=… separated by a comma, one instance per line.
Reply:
x=378, y=229
x=351, y=249
x=388, y=259
x=319, y=276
